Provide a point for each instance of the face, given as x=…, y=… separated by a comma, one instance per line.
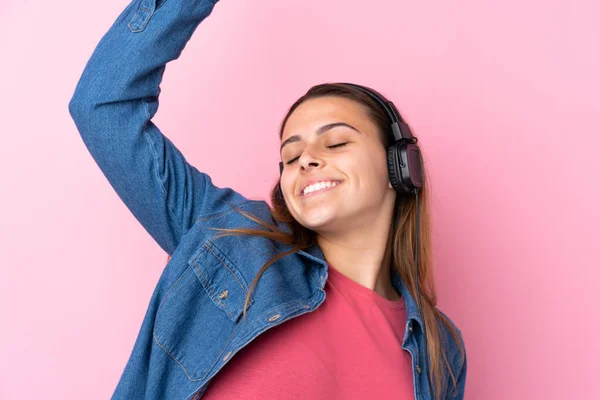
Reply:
x=331, y=146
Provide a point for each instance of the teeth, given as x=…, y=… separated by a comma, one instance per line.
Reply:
x=319, y=186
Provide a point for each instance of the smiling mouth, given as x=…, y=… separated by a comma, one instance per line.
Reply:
x=317, y=192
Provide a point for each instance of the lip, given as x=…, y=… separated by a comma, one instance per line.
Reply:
x=320, y=191
x=315, y=180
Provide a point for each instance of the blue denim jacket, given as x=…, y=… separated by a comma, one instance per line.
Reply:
x=194, y=325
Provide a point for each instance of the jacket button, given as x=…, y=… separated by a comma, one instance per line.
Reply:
x=226, y=356
x=274, y=318
x=418, y=369
x=223, y=294
x=410, y=327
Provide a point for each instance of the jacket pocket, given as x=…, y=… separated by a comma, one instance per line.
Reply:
x=221, y=280
x=188, y=326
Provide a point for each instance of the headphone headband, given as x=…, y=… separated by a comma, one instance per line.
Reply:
x=400, y=129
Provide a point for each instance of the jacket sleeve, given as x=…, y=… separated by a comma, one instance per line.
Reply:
x=461, y=378
x=112, y=107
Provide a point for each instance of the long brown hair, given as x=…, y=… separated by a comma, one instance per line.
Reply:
x=402, y=239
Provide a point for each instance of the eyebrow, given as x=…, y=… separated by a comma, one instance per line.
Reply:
x=321, y=130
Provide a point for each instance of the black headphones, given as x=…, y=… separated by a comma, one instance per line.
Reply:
x=405, y=165
x=405, y=170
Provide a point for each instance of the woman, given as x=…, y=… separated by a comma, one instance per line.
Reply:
x=247, y=283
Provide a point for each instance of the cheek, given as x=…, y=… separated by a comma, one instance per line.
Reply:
x=370, y=169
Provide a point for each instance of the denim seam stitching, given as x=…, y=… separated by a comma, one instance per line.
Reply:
x=225, y=265
x=181, y=365
x=172, y=356
x=147, y=136
x=208, y=287
x=215, y=214
x=168, y=293
x=154, y=329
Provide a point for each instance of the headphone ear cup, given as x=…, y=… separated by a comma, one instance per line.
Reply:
x=394, y=161
x=411, y=154
x=405, y=167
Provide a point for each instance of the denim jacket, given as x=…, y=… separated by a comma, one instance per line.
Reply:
x=193, y=325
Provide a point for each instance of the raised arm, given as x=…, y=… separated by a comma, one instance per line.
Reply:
x=113, y=104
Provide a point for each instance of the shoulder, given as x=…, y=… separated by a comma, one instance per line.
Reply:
x=239, y=214
x=241, y=229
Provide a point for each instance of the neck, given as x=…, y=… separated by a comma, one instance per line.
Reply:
x=363, y=255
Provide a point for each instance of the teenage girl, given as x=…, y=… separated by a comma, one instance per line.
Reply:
x=314, y=297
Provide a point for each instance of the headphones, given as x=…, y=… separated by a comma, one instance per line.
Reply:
x=404, y=160
x=405, y=170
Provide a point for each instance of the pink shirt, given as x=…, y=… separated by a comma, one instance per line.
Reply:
x=348, y=348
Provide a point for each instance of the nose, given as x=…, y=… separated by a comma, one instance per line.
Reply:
x=308, y=160
x=310, y=157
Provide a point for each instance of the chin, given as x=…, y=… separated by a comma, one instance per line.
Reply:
x=317, y=220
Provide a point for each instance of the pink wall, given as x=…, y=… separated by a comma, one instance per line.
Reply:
x=504, y=97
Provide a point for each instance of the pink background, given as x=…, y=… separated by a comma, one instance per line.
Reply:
x=504, y=97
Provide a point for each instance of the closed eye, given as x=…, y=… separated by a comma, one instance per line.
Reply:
x=329, y=147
